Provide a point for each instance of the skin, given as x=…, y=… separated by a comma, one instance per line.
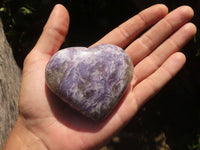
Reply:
x=45, y=122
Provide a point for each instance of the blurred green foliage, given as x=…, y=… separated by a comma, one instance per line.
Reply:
x=174, y=112
x=195, y=145
x=197, y=43
x=23, y=20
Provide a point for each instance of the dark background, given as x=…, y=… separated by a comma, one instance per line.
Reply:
x=171, y=119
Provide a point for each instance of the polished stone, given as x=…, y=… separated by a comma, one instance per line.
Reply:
x=91, y=80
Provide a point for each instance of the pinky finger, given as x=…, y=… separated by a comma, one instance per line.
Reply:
x=152, y=84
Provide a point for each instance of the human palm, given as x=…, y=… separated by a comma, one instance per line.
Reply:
x=155, y=57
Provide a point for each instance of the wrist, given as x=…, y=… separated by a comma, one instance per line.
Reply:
x=22, y=138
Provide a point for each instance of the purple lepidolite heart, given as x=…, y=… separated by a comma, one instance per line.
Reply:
x=91, y=80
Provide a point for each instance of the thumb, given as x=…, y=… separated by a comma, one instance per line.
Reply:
x=54, y=32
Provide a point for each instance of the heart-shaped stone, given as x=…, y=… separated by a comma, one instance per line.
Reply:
x=91, y=80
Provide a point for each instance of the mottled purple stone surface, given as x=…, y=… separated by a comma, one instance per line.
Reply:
x=91, y=80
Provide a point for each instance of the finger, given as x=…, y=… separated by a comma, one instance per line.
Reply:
x=129, y=30
x=152, y=62
x=144, y=45
x=151, y=85
x=54, y=32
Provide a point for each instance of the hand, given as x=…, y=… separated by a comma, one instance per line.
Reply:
x=45, y=122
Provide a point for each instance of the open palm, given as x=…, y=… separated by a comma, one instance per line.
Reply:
x=155, y=57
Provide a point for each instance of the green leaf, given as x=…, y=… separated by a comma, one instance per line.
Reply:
x=25, y=11
x=2, y=9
